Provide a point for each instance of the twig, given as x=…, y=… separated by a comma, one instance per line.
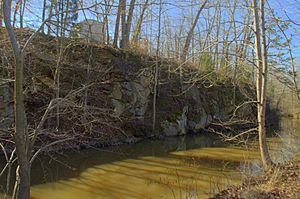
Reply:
x=48, y=145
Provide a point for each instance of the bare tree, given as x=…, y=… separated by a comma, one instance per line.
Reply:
x=21, y=13
x=292, y=59
x=261, y=82
x=106, y=19
x=218, y=27
x=128, y=23
x=156, y=67
x=17, y=6
x=1, y=11
x=21, y=134
x=137, y=30
x=52, y=6
x=44, y=14
x=117, y=27
x=123, y=23
x=191, y=32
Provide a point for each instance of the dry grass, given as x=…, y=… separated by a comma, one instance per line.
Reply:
x=282, y=181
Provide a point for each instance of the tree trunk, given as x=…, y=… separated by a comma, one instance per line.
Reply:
x=20, y=130
x=263, y=140
x=1, y=13
x=123, y=23
x=106, y=22
x=15, y=12
x=261, y=57
x=247, y=36
x=65, y=17
x=50, y=14
x=156, y=67
x=128, y=23
x=218, y=24
x=233, y=21
x=116, y=34
x=21, y=135
x=137, y=30
x=22, y=11
x=191, y=32
x=44, y=15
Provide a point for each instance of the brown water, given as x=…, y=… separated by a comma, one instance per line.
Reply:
x=182, y=167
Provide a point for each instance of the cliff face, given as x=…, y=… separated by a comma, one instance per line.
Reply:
x=105, y=94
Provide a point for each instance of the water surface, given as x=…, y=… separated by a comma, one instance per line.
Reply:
x=195, y=166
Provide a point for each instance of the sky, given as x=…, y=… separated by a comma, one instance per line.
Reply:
x=287, y=9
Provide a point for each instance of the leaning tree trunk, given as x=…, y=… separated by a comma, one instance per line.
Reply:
x=261, y=83
x=137, y=29
x=190, y=33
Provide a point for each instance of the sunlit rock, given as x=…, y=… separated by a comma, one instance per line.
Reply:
x=90, y=29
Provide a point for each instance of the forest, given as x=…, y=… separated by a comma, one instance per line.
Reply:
x=149, y=99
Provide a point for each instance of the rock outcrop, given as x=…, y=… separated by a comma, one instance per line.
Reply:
x=110, y=93
x=132, y=96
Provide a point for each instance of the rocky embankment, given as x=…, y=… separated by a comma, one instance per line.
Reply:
x=104, y=95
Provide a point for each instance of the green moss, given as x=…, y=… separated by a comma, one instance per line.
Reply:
x=174, y=116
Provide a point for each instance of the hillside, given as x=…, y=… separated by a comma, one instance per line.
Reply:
x=104, y=95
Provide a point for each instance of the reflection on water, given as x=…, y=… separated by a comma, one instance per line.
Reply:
x=185, y=167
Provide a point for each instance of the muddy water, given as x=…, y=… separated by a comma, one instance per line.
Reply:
x=182, y=167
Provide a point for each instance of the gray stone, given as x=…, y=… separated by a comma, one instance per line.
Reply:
x=204, y=122
x=116, y=96
x=170, y=128
x=194, y=93
x=132, y=96
x=182, y=121
x=178, y=128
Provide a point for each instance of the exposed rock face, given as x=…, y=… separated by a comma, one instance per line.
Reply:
x=200, y=109
x=170, y=128
x=116, y=95
x=131, y=96
x=196, y=126
x=203, y=109
x=176, y=128
x=116, y=104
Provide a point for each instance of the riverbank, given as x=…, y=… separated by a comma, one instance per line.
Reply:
x=282, y=181
x=97, y=95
